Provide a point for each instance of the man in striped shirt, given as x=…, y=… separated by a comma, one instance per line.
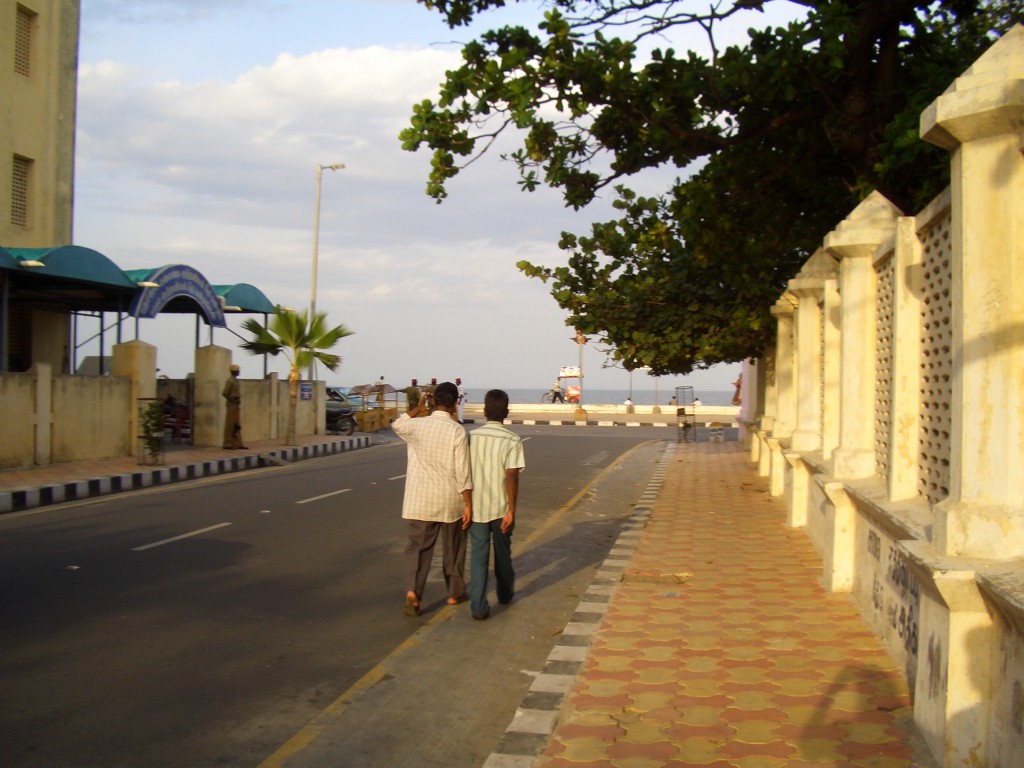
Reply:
x=497, y=458
x=438, y=495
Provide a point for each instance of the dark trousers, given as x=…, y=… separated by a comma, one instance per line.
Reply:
x=482, y=535
x=419, y=553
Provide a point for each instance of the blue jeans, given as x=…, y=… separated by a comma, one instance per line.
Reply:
x=482, y=535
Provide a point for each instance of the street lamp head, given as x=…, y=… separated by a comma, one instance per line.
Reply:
x=334, y=166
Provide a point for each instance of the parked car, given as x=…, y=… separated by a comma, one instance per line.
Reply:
x=337, y=397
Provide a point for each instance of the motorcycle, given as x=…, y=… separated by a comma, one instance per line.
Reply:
x=341, y=421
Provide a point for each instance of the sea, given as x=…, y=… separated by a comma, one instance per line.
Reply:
x=610, y=396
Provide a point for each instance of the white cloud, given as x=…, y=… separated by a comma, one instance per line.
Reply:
x=219, y=173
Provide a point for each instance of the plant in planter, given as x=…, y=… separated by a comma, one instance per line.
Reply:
x=151, y=427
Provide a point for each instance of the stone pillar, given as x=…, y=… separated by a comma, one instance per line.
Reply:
x=42, y=417
x=751, y=405
x=954, y=667
x=799, y=480
x=854, y=243
x=135, y=360
x=978, y=119
x=764, y=454
x=213, y=366
x=807, y=436
x=830, y=367
x=840, y=539
x=766, y=378
x=808, y=287
x=777, y=467
x=785, y=396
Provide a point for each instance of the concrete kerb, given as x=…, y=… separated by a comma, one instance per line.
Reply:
x=19, y=500
x=715, y=434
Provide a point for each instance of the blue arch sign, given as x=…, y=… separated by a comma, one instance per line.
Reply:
x=174, y=281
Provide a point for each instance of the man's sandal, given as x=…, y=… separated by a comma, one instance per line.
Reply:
x=412, y=605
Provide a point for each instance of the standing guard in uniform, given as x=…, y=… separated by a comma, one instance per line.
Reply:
x=233, y=418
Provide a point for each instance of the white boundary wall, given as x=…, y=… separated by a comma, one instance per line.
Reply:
x=49, y=419
x=890, y=415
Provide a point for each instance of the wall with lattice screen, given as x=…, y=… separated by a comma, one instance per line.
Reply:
x=883, y=363
x=936, y=358
x=822, y=379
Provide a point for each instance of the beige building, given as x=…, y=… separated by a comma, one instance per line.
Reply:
x=38, y=90
x=38, y=83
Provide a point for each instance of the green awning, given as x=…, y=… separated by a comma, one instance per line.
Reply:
x=70, y=262
x=242, y=297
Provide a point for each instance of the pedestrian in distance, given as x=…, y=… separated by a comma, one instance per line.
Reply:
x=233, y=417
x=497, y=458
x=460, y=404
x=438, y=499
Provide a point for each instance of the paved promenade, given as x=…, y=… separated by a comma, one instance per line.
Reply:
x=706, y=640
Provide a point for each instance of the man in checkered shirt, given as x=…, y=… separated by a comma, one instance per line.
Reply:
x=438, y=495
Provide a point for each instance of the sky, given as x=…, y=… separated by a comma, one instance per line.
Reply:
x=200, y=127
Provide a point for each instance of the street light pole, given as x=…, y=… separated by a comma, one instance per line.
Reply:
x=316, y=232
x=316, y=245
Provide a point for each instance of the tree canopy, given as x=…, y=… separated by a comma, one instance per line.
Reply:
x=774, y=142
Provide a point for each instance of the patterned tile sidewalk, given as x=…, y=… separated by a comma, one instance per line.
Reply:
x=718, y=647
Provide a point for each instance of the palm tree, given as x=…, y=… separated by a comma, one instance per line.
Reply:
x=302, y=341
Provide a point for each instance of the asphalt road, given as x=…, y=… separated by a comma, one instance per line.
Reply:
x=255, y=619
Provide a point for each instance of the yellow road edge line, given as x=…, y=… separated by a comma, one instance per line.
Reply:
x=309, y=733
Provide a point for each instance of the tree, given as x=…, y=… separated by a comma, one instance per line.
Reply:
x=302, y=341
x=778, y=140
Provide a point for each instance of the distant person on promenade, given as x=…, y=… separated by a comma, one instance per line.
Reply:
x=232, y=392
x=497, y=459
x=556, y=393
x=438, y=496
x=460, y=404
x=673, y=401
